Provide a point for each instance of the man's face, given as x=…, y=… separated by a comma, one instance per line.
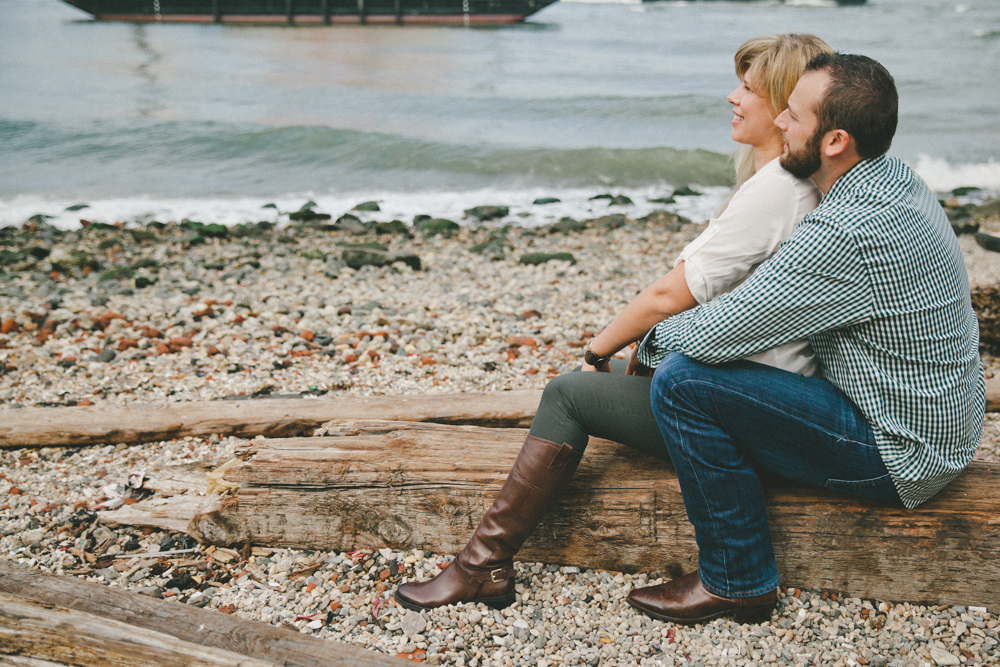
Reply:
x=798, y=123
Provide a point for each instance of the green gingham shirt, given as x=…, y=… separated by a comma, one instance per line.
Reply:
x=874, y=278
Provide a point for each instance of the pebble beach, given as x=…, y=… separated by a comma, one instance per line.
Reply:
x=185, y=311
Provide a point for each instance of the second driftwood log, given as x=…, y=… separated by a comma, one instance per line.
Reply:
x=426, y=486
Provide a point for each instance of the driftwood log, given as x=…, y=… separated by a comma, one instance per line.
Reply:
x=426, y=486
x=49, y=620
x=274, y=418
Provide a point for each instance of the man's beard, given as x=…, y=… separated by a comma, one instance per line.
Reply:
x=806, y=162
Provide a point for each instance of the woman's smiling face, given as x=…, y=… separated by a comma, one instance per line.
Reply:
x=752, y=121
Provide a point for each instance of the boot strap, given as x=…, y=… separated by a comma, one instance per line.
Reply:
x=495, y=575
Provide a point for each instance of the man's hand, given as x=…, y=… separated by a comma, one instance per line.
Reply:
x=637, y=368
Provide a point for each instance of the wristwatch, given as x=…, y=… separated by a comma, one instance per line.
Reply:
x=591, y=357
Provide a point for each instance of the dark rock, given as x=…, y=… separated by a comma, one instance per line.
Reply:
x=411, y=260
x=420, y=218
x=990, y=209
x=121, y=273
x=142, y=282
x=141, y=235
x=620, y=200
x=312, y=253
x=663, y=200
x=964, y=226
x=145, y=263
x=98, y=226
x=567, y=225
x=270, y=205
x=108, y=243
x=181, y=581
x=131, y=545
x=392, y=227
x=350, y=224
x=367, y=206
x=536, y=258
x=602, y=196
x=686, y=191
x=323, y=339
x=107, y=355
x=212, y=230
x=38, y=252
x=441, y=226
x=962, y=191
x=485, y=213
x=156, y=225
x=77, y=207
x=308, y=215
x=356, y=258
x=612, y=221
x=8, y=257
x=541, y=201
x=661, y=218
x=988, y=241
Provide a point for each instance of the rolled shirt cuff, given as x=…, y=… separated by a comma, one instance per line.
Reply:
x=649, y=353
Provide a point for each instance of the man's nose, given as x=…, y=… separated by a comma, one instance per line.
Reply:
x=781, y=120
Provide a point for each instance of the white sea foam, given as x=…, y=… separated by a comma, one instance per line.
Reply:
x=575, y=203
x=942, y=176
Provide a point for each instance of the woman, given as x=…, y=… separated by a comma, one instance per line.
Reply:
x=615, y=405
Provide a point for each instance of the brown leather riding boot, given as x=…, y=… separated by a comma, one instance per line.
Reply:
x=686, y=600
x=484, y=571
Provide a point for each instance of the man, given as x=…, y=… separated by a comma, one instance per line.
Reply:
x=875, y=279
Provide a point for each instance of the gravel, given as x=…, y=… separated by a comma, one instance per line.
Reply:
x=465, y=322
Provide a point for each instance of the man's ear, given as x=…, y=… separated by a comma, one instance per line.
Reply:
x=836, y=142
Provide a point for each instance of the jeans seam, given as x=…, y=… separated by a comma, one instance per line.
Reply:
x=715, y=529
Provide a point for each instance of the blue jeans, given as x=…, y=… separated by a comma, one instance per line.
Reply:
x=725, y=426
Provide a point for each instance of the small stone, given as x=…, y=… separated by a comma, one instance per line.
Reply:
x=107, y=355
x=413, y=623
x=475, y=617
x=942, y=657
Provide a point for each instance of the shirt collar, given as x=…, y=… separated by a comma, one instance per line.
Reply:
x=861, y=173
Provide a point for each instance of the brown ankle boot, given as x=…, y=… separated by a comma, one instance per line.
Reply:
x=484, y=571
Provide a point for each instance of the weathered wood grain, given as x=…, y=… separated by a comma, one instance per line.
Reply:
x=426, y=486
x=276, y=418
x=64, y=637
x=210, y=633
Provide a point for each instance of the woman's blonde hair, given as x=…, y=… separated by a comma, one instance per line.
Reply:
x=773, y=65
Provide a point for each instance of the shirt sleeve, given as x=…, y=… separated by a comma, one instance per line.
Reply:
x=761, y=215
x=816, y=282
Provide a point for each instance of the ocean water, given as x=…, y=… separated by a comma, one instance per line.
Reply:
x=211, y=122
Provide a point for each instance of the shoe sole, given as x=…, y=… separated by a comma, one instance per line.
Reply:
x=750, y=615
x=501, y=602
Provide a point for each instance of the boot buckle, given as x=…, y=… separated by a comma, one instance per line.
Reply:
x=494, y=573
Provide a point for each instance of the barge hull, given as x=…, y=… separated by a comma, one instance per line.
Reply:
x=313, y=12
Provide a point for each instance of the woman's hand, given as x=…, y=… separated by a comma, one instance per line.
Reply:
x=636, y=367
x=606, y=368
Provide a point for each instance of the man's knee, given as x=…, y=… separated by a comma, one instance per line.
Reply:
x=674, y=372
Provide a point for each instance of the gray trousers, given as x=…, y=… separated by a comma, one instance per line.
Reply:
x=613, y=406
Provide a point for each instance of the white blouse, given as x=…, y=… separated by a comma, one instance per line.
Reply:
x=761, y=216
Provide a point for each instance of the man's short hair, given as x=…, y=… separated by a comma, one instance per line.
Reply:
x=860, y=99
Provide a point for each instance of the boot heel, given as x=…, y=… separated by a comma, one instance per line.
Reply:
x=501, y=602
x=753, y=614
